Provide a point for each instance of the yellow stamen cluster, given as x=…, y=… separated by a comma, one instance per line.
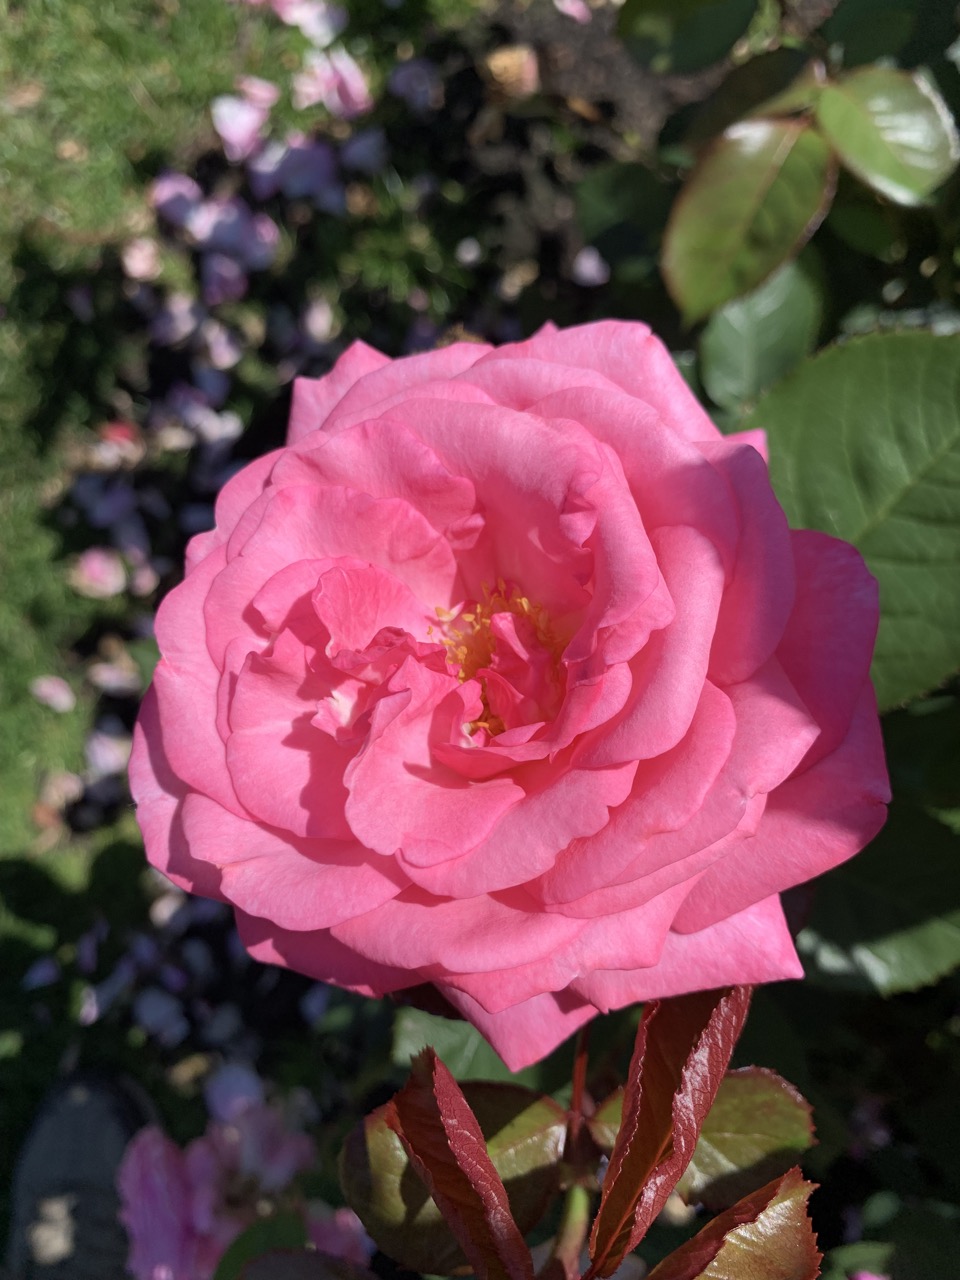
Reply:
x=469, y=639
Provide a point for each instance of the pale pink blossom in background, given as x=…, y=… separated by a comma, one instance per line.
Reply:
x=575, y=9
x=97, y=573
x=182, y=1209
x=257, y=91
x=336, y=81
x=589, y=268
x=321, y=23
x=239, y=123
x=141, y=258
x=53, y=692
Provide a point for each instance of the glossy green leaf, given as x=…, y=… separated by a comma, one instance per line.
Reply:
x=889, y=920
x=892, y=129
x=683, y=35
x=282, y=1231
x=525, y=1136
x=467, y=1054
x=757, y=195
x=865, y=444
x=765, y=1236
x=758, y=1127
x=753, y=341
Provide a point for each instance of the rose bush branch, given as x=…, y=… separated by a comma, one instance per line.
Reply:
x=682, y=1051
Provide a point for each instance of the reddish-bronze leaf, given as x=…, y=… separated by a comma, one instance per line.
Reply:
x=765, y=1236
x=443, y=1139
x=682, y=1050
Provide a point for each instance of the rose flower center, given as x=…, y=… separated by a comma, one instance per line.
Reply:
x=508, y=645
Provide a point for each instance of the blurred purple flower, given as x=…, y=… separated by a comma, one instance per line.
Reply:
x=175, y=196
x=232, y=1089
x=213, y=384
x=258, y=1145
x=335, y=80
x=42, y=973
x=418, y=84
x=97, y=573
x=365, y=152
x=53, y=692
x=313, y=1003
x=300, y=167
x=223, y=347
x=222, y=279
x=340, y=1233
x=178, y=317
x=88, y=947
x=161, y=1015
x=80, y=302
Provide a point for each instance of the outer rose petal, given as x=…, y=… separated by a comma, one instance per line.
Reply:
x=314, y=399
x=527, y=1032
x=159, y=794
x=816, y=820
x=750, y=947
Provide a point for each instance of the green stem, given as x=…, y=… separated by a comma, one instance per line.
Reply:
x=571, y=1235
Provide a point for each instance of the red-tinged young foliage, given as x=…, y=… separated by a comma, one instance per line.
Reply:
x=443, y=1139
x=765, y=1236
x=682, y=1050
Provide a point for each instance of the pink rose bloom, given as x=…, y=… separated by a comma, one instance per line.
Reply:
x=506, y=674
x=334, y=80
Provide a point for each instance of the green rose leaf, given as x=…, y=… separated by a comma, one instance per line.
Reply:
x=757, y=1129
x=880, y=925
x=282, y=1231
x=892, y=129
x=683, y=35
x=765, y=1236
x=756, y=196
x=524, y=1135
x=753, y=341
x=865, y=444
